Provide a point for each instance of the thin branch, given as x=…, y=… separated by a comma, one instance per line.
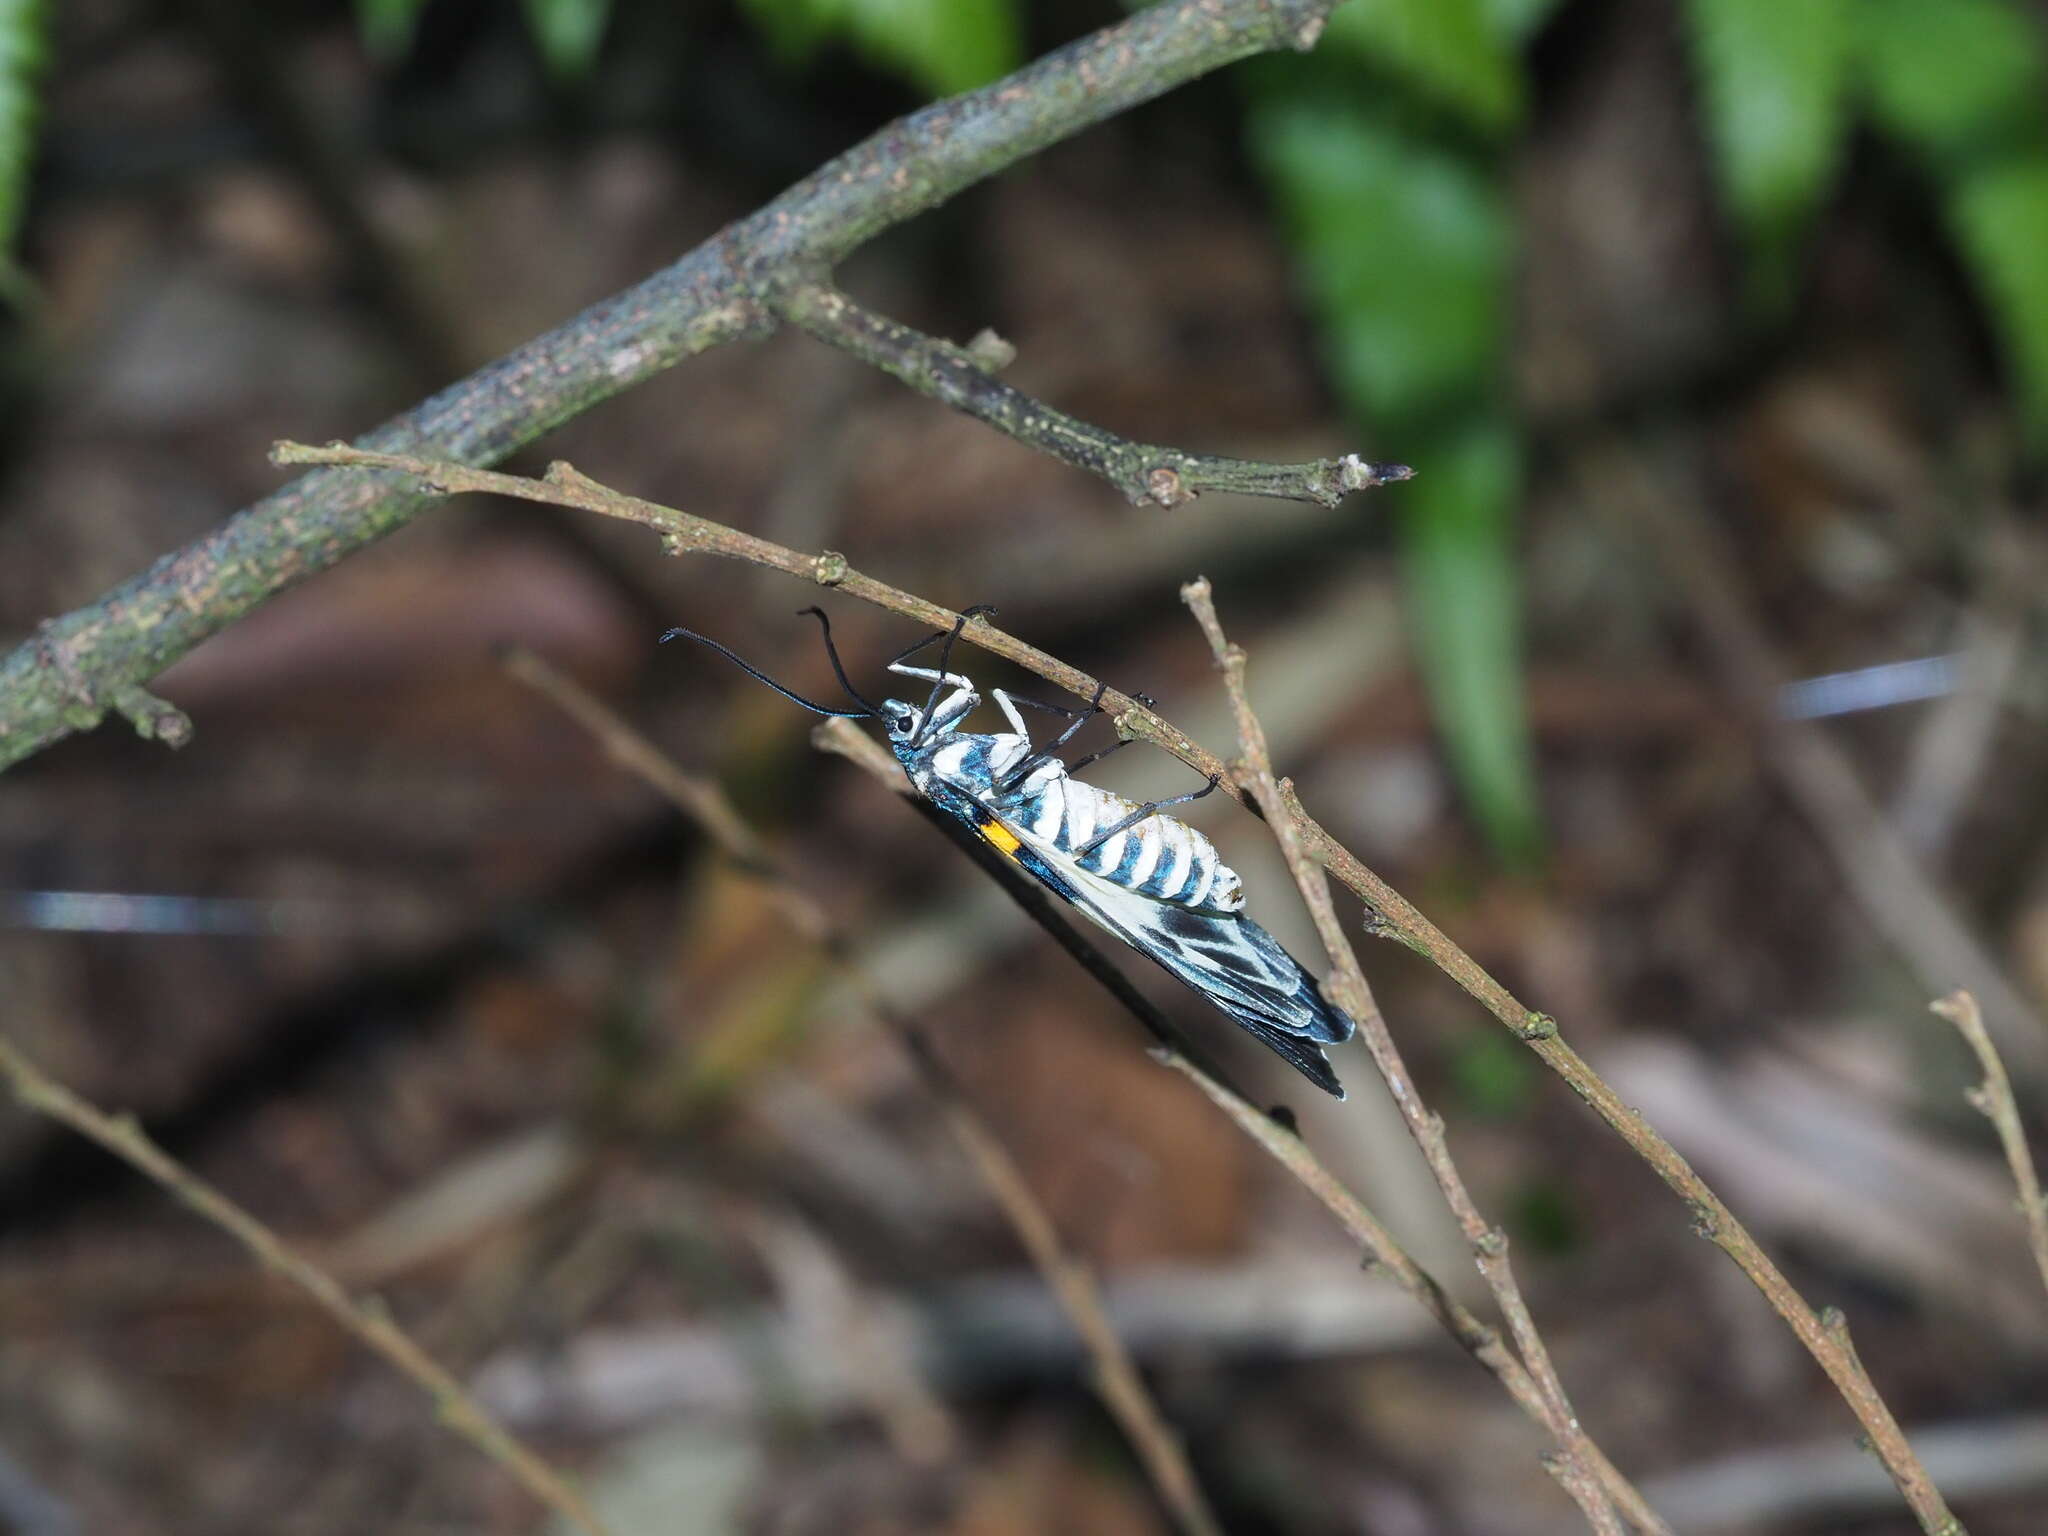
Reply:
x=66, y=677
x=1994, y=1100
x=1144, y=472
x=367, y=1320
x=1389, y=915
x=1116, y=1377
x=1387, y=1256
x=1289, y=1150
x=1489, y=1243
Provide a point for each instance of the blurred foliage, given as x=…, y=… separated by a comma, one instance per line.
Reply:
x=1959, y=84
x=566, y=33
x=1546, y=1218
x=388, y=26
x=1385, y=158
x=1451, y=50
x=1963, y=84
x=22, y=56
x=1493, y=1077
x=2000, y=211
x=940, y=46
x=1386, y=153
x=1774, y=86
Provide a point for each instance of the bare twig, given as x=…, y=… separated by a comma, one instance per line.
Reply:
x=1116, y=1377
x=1993, y=1099
x=1477, y=1339
x=65, y=679
x=1489, y=1243
x=1144, y=472
x=1293, y=1154
x=368, y=1321
x=1389, y=915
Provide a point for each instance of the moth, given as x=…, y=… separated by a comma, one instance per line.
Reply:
x=1150, y=879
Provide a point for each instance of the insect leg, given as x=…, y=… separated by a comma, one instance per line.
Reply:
x=1080, y=718
x=941, y=676
x=1095, y=757
x=1008, y=706
x=1149, y=809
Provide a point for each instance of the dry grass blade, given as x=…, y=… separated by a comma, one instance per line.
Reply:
x=1116, y=1376
x=366, y=1320
x=1993, y=1099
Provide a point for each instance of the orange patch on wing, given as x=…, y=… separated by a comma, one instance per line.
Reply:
x=1001, y=836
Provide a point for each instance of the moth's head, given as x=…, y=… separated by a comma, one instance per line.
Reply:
x=900, y=720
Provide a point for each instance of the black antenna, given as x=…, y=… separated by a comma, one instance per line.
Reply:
x=832, y=651
x=760, y=676
x=945, y=659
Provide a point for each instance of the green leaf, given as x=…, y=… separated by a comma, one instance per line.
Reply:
x=1948, y=76
x=1774, y=77
x=945, y=46
x=23, y=52
x=2000, y=215
x=568, y=33
x=388, y=26
x=941, y=46
x=1403, y=248
x=794, y=29
x=1457, y=523
x=1453, y=51
x=1492, y=1076
x=1517, y=20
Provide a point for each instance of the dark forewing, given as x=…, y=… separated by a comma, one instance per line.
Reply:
x=1234, y=963
x=1225, y=956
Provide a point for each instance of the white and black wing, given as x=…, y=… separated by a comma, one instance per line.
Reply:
x=1234, y=963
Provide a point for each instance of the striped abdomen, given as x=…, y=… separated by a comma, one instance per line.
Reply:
x=1161, y=858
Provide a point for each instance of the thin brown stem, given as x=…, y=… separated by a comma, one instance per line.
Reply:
x=1144, y=472
x=1993, y=1098
x=1115, y=1374
x=1575, y=1470
x=1389, y=915
x=1482, y=1342
x=1293, y=1154
x=366, y=1320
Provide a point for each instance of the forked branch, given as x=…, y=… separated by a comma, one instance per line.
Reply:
x=97, y=658
x=1575, y=1468
x=1388, y=913
x=1145, y=472
x=1116, y=1377
x=1993, y=1099
x=1592, y=1475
